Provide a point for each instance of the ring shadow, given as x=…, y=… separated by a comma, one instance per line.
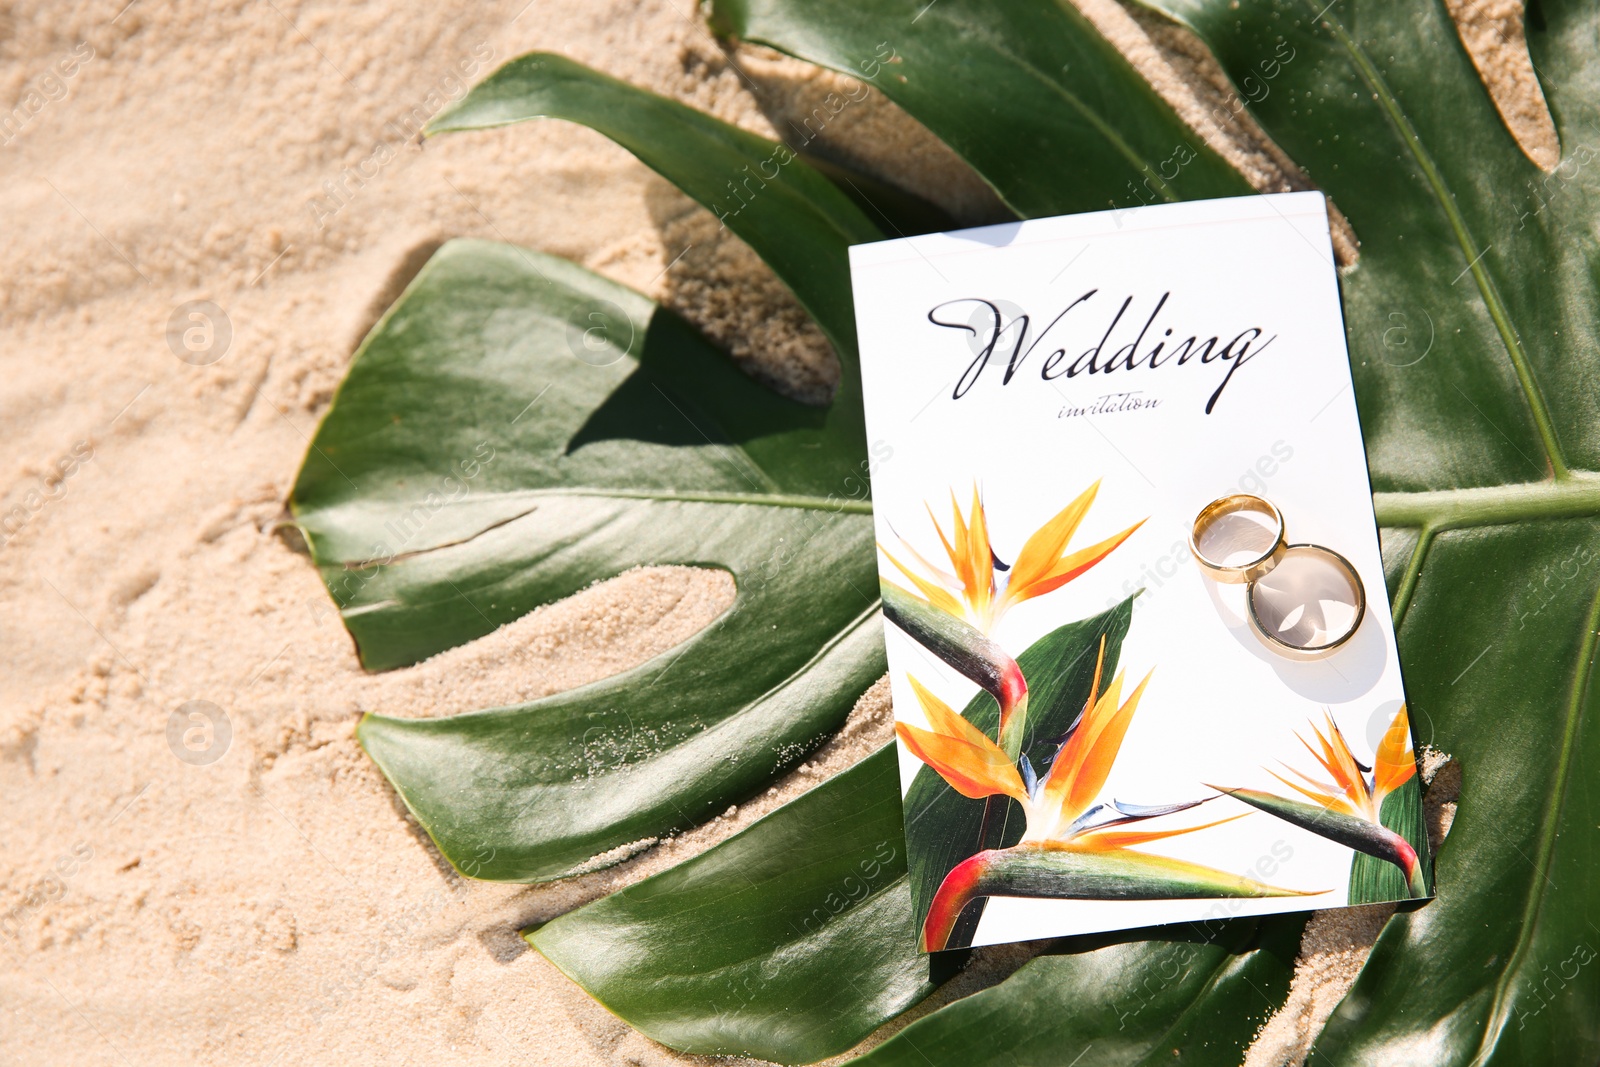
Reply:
x=1346, y=673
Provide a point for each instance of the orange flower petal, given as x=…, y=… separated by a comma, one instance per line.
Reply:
x=972, y=557
x=970, y=771
x=1325, y=758
x=1041, y=551
x=1342, y=770
x=1065, y=570
x=1395, y=762
x=943, y=718
x=942, y=576
x=1331, y=801
x=961, y=554
x=939, y=597
x=1058, y=779
x=959, y=752
x=1102, y=753
x=1104, y=840
x=1330, y=790
x=1084, y=762
x=949, y=549
x=1099, y=669
x=1347, y=760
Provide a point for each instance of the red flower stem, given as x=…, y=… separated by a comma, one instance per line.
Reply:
x=1410, y=866
x=1013, y=700
x=955, y=892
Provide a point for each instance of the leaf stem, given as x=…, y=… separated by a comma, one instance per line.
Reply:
x=1408, y=582
x=1576, y=496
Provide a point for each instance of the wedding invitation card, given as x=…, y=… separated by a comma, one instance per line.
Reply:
x=1140, y=646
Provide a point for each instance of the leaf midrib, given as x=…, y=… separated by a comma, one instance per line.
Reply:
x=1576, y=496
x=1464, y=239
x=1435, y=511
x=1500, y=1009
x=772, y=500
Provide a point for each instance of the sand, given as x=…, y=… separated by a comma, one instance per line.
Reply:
x=274, y=905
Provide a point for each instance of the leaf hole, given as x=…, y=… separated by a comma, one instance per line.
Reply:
x=1493, y=33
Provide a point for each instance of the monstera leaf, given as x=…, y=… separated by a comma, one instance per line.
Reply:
x=1192, y=993
x=794, y=217
x=815, y=946
x=1481, y=427
x=1041, y=106
x=516, y=429
x=1471, y=320
x=1471, y=316
x=812, y=944
x=649, y=447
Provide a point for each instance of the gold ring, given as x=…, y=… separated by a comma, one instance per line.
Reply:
x=1311, y=603
x=1238, y=551
x=1304, y=600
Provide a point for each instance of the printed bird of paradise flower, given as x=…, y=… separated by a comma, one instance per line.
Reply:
x=1362, y=808
x=956, y=613
x=980, y=588
x=1073, y=846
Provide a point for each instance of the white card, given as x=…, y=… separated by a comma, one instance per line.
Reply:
x=1173, y=355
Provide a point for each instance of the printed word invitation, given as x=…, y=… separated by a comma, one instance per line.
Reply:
x=1138, y=636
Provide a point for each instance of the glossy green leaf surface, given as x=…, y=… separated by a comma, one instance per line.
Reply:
x=1190, y=994
x=1040, y=105
x=1482, y=421
x=942, y=826
x=607, y=435
x=795, y=218
x=790, y=941
x=899, y=213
